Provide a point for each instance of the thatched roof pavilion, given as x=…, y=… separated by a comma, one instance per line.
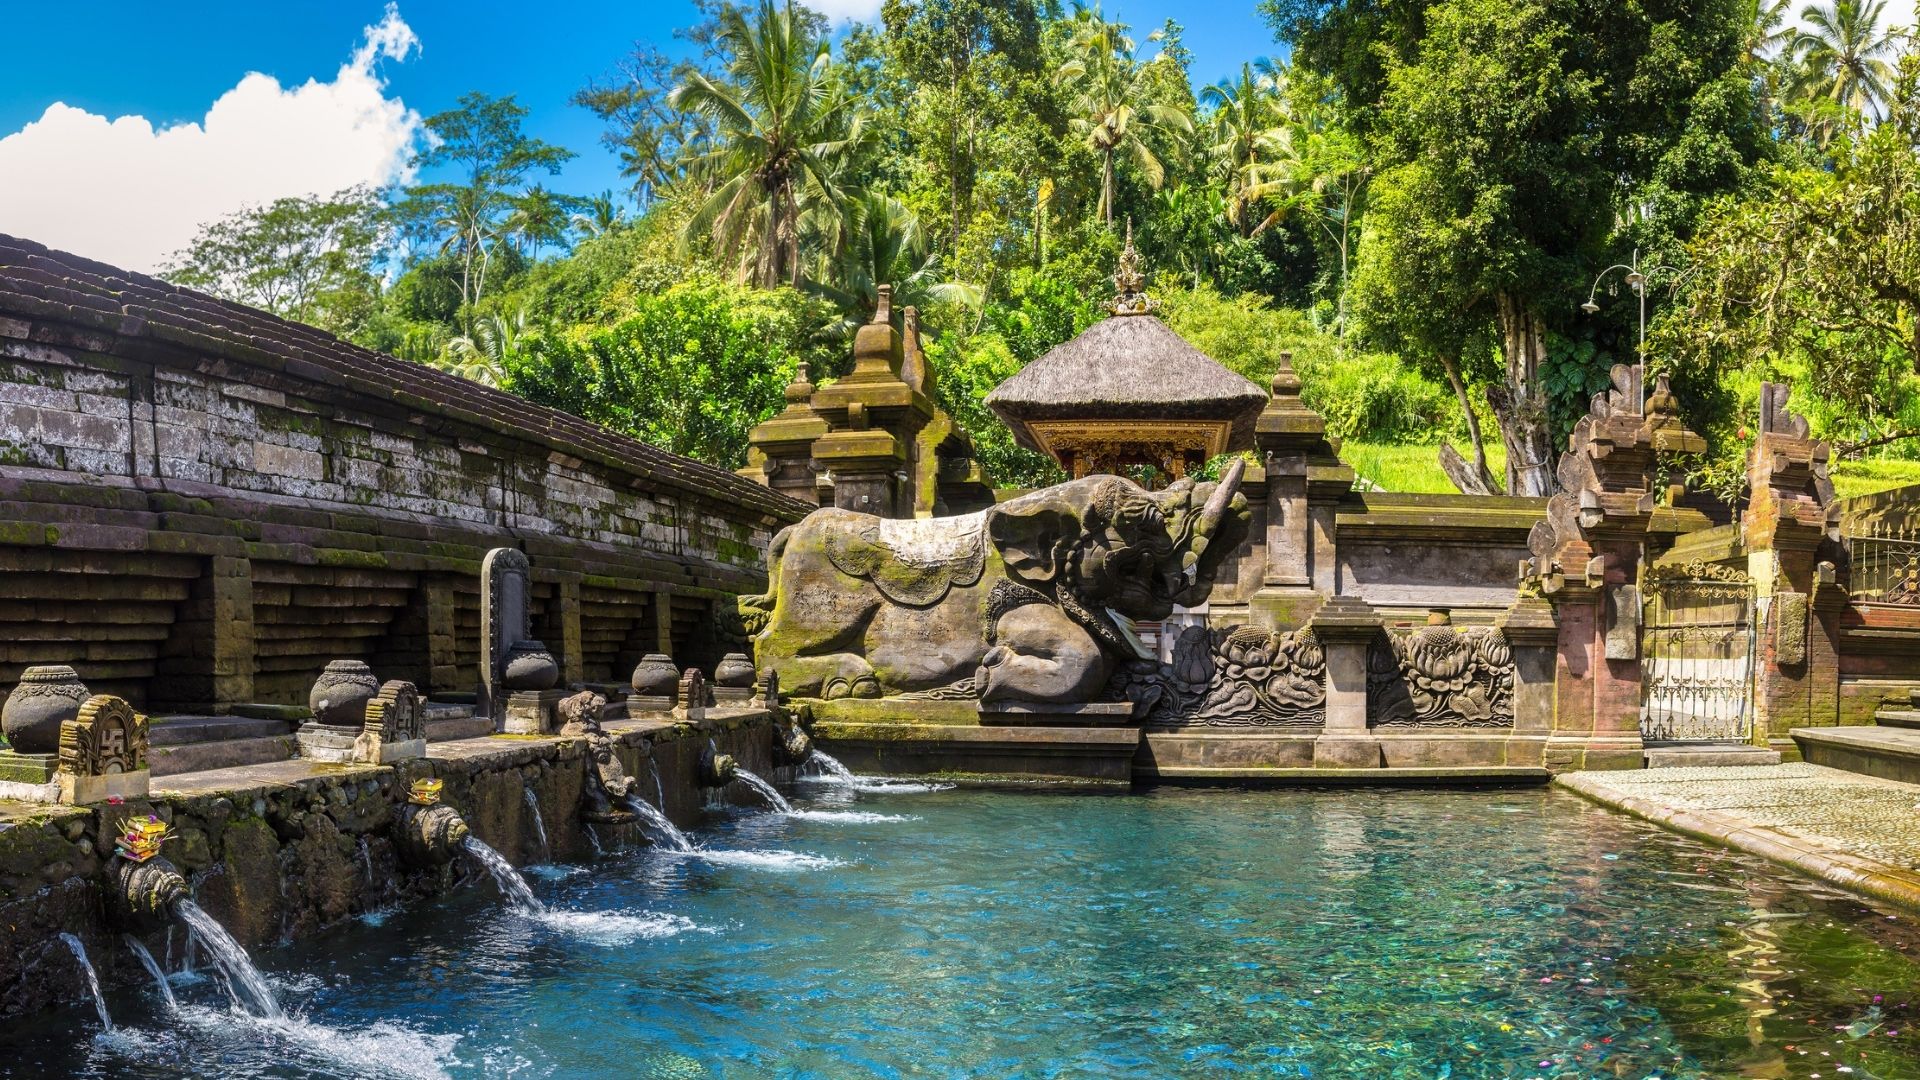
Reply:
x=1129, y=391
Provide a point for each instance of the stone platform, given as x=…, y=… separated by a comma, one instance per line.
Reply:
x=1891, y=753
x=1000, y=752
x=1859, y=832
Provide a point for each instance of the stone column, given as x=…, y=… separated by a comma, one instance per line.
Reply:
x=1304, y=477
x=1533, y=635
x=231, y=582
x=660, y=608
x=566, y=617
x=207, y=663
x=1346, y=626
x=443, y=637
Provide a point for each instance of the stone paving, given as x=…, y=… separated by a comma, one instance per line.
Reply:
x=1859, y=831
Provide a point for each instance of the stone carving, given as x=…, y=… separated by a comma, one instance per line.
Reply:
x=506, y=618
x=1671, y=573
x=1440, y=676
x=340, y=695
x=103, y=752
x=104, y=737
x=396, y=725
x=691, y=698
x=529, y=667
x=431, y=833
x=655, y=676
x=1032, y=600
x=1240, y=676
x=735, y=671
x=1790, y=627
x=717, y=769
x=580, y=713
x=47, y=696
x=608, y=784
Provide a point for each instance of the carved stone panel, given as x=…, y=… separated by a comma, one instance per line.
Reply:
x=106, y=737
x=506, y=618
x=1789, y=628
x=1240, y=676
x=1623, y=622
x=1440, y=676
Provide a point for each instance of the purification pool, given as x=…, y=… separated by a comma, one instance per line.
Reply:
x=964, y=933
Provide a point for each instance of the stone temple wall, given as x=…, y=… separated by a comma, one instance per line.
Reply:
x=200, y=505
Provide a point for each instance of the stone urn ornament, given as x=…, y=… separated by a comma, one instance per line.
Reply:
x=48, y=695
x=340, y=695
x=734, y=671
x=655, y=676
x=530, y=667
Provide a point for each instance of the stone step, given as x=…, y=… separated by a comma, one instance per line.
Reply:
x=182, y=730
x=1897, y=718
x=445, y=727
x=1708, y=756
x=1889, y=753
x=220, y=754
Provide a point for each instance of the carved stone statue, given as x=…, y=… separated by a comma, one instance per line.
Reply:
x=1029, y=601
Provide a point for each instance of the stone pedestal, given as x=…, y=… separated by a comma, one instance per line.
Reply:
x=1345, y=627
x=81, y=790
x=640, y=704
x=531, y=712
x=1105, y=714
x=28, y=777
x=732, y=696
x=327, y=742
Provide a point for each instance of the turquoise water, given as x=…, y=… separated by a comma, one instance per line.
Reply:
x=1166, y=933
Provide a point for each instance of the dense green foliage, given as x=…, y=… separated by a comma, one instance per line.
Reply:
x=1415, y=207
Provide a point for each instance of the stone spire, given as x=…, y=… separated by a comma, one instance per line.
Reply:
x=1130, y=282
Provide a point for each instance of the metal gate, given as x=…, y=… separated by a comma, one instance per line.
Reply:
x=1697, y=646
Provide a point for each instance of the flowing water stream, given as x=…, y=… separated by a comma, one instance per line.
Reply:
x=662, y=831
x=93, y=980
x=512, y=885
x=830, y=768
x=539, y=826
x=249, y=988
x=153, y=968
x=774, y=799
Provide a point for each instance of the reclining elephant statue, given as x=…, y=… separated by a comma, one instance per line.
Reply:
x=1032, y=600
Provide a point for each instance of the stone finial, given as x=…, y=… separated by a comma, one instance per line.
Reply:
x=690, y=699
x=47, y=696
x=801, y=386
x=103, y=752
x=1130, y=282
x=734, y=671
x=655, y=675
x=396, y=725
x=883, y=305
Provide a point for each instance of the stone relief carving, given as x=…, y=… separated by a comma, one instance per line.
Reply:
x=1440, y=676
x=105, y=738
x=1239, y=676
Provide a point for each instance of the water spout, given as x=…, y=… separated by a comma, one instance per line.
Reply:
x=716, y=769
x=431, y=833
x=93, y=980
x=660, y=829
x=539, y=826
x=512, y=885
x=153, y=968
x=244, y=981
x=765, y=790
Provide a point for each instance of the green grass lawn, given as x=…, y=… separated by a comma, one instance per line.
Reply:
x=1413, y=468
x=1416, y=468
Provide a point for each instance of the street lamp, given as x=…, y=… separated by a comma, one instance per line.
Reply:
x=1637, y=281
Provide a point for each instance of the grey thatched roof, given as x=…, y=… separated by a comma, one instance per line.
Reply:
x=1128, y=367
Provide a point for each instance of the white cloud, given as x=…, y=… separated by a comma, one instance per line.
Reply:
x=122, y=192
x=847, y=10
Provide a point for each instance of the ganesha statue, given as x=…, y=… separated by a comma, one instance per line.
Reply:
x=1032, y=600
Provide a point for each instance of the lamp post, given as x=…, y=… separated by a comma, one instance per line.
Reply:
x=1637, y=281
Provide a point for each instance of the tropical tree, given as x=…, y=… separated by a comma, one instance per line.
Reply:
x=783, y=132
x=481, y=142
x=1245, y=113
x=539, y=219
x=1315, y=166
x=1112, y=107
x=883, y=244
x=598, y=215
x=1842, y=53
x=305, y=259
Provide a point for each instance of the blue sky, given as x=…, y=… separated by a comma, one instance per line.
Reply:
x=77, y=182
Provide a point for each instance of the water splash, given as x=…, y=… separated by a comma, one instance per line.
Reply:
x=153, y=968
x=765, y=790
x=539, y=826
x=593, y=838
x=828, y=768
x=244, y=981
x=512, y=885
x=776, y=861
x=848, y=817
x=93, y=981
x=659, y=789
x=613, y=928
x=662, y=831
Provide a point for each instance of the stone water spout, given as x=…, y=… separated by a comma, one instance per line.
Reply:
x=431, y=832
x=608, y=788
x=144, y=889
x=717, y=769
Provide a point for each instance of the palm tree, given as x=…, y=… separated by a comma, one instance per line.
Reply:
x=480, y=355
x=1768, y=34
x=1311, y=163
x=1842, y=53
x=600, y=214
x=882, y=243
x=783, y=134
x=1110, y=106
x=1244, y=111
x=539, y=219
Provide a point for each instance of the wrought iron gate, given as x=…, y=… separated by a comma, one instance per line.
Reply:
x=1697, y=648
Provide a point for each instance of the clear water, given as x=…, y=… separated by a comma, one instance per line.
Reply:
x=244, y=983
x=79, y=952
x=767, y=792
x=153, y=968
x=512, y=885
x=659, y=828
x=539, y=824
x=1171, y=933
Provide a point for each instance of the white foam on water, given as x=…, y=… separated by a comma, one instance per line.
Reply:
x=847, y=817
x=379, y=916
x=552, y=871
x=775, y=801
x=612, y=928
x=775, y=861
x=886, y=785
x=382, y=1048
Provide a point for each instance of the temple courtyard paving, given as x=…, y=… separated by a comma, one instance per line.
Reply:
x=1860, y=832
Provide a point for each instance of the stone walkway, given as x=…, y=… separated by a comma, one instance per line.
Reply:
x=1856, y=831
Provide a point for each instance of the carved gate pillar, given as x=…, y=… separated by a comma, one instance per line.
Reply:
x=1305, y=479
x=1534, y=635
x=1346, y=626
x=1786, y=526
